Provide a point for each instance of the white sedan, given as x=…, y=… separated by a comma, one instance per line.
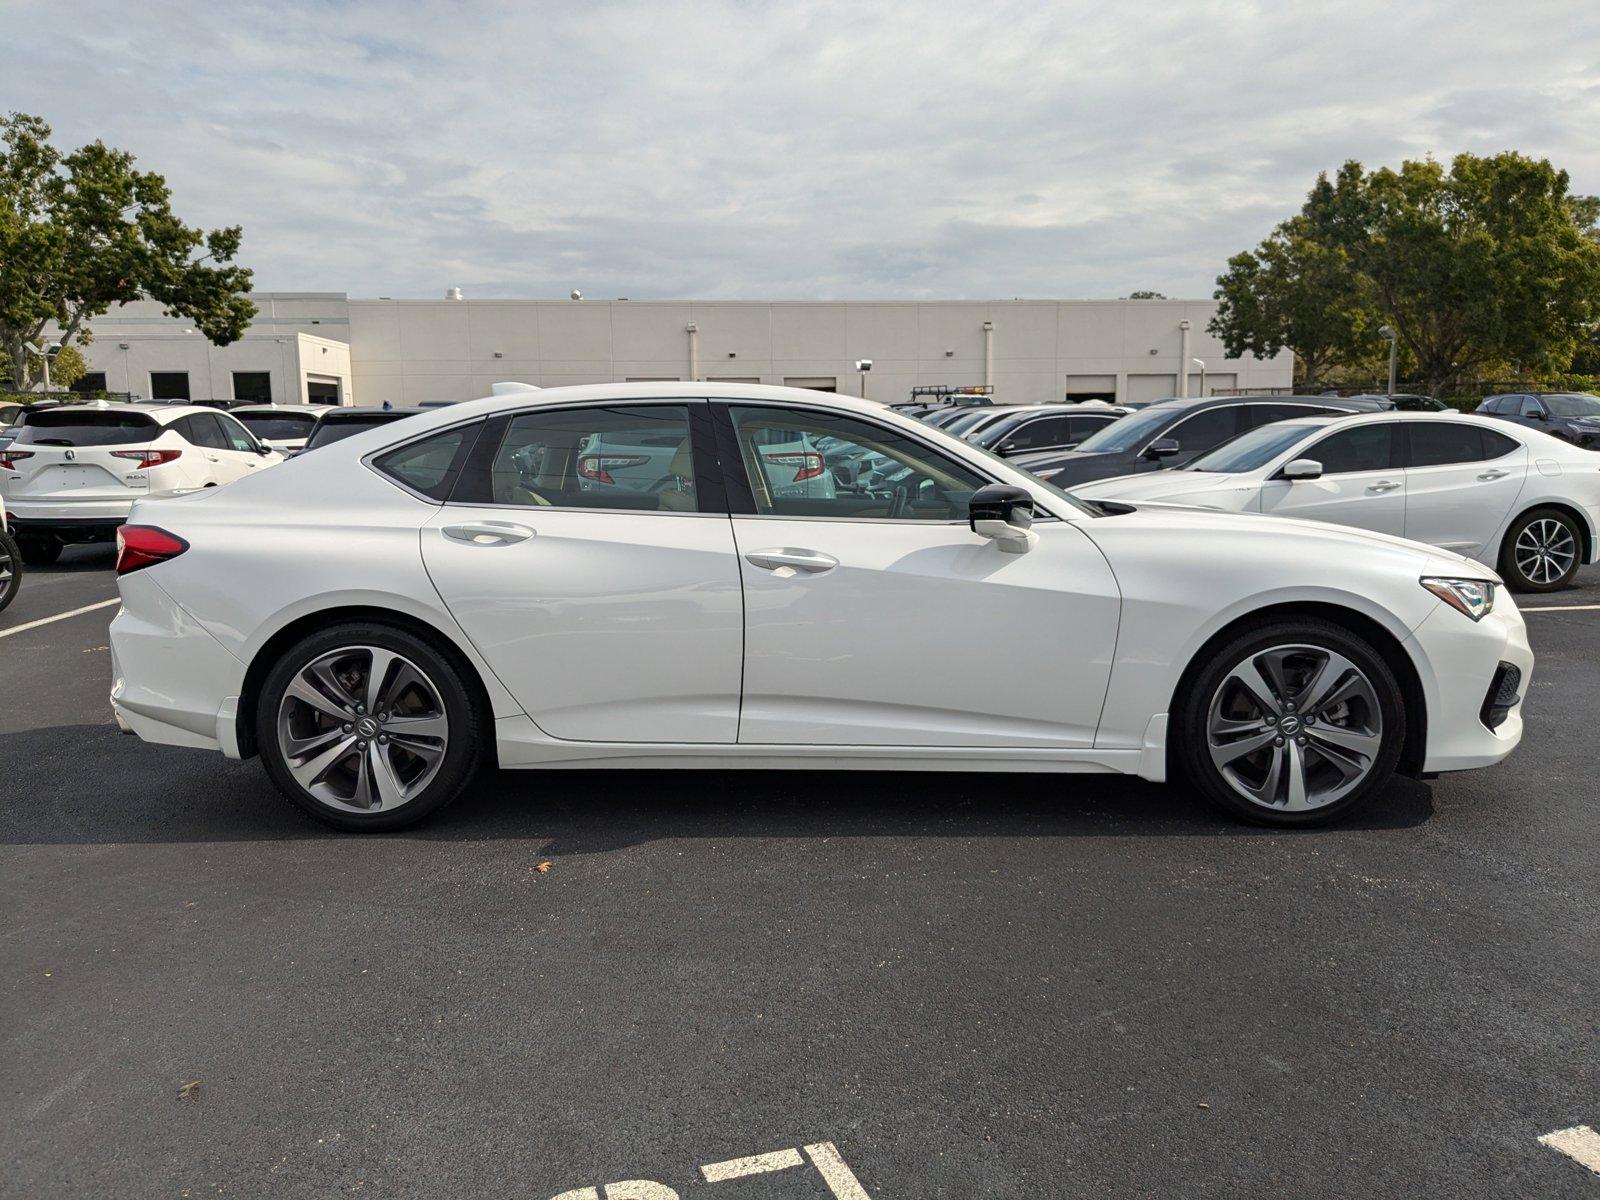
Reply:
x=1509, y=497
x=636, y=576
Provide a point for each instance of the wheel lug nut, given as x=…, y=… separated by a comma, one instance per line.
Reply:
x=349, y=728
x=1277, y=741
x=361, y=745
x=383, y=740
x=1300, y=741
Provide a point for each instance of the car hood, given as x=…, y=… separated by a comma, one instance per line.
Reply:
x=1302, y=539
x=1178, y=487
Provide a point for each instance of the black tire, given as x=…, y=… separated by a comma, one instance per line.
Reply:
x=1377, y=715
x=39, y=552
x=10, y=569
x=463, y=744
x=1528, y=569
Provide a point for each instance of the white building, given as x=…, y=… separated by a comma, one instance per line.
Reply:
x=326, y=346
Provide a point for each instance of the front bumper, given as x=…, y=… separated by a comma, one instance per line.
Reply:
x=1460, y=666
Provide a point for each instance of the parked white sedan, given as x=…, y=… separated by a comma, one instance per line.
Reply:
x=380, y=617
x=1514, y=498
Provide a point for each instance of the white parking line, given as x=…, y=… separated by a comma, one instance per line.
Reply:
x=756, y=1164
x=1562, y=608
x=77, y=612
x=841, y=1180
x=1580, y=1143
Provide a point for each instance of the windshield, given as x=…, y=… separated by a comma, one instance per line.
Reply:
x=1132, y=430
x=336, y=431
x=1250, y=451
x=273, y=427
x=70, y=426
x=1575, y=405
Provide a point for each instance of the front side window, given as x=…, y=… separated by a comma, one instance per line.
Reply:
x=1083, y=427
x=238, y=438
x=201, y=430
x=1265, y=414
x=638, y=457
x=815, y=464
x=1033, y=433
x=1532, y=408
x=1364, y=448
x=1438, y=443
x=429, y=466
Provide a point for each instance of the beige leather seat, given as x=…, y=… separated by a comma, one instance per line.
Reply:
x=678, y=495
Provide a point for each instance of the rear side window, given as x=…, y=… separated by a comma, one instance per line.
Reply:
x=1365, y=448
x=71, y=426
x=636, y=457
x=1439, y=443
x=1497, y=444
x=430, y=466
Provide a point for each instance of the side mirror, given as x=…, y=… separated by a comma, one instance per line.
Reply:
x=263, y=449
x=1003, y=513
x=1006, y=449
x=1533, y=414
x=1162, y=448
x=1303, y=468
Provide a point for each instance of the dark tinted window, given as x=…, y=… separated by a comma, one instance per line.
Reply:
x=73, y=426
x=1366, y=448
x=1438, y=443
x=1497, y=444
x=274, y=427
x=1205, y=429
x=1034, y=433
x=431, y=465
x=169, y=385
x=613, y=456
x=201, y=429
x=328, y=432
x=1257, y=415
x=1083, y=427
x=1531, y=407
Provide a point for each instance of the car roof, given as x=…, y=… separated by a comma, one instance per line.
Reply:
x=315, y=410
x=158, y=410
x=357, y=413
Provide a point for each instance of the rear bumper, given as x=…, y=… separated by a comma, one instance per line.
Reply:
x=171, y=681
x=68, y=517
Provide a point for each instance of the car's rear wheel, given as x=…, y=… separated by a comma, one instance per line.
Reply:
x=39, y=552
x=1541, y=551
x=10, y=569
x=368, y=727
x=1292, y=722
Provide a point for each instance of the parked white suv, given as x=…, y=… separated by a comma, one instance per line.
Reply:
x=73, y=472
x=281, y=426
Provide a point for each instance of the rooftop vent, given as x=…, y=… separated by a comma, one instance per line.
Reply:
x=453, y=294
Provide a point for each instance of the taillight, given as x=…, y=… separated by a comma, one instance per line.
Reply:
x=598, y=467
x=147, y=458
x=807, y=463
x=10, y=458
x=140, y=546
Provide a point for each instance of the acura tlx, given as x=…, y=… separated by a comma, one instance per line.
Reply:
x=719, y=575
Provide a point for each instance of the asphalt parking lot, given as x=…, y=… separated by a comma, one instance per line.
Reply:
x=970, y=986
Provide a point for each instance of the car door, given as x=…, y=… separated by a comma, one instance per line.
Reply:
x=1461, y=481
x=1532, y=414
x=1362, y=483
x=587, y=553
x=206, y=434
x=875, y=616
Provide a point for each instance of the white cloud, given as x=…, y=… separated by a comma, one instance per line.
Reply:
x=802, y=149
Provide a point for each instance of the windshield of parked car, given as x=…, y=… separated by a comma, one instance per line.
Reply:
x=71, y=426
x=1575, y=404
x=329, y=432
x=1253, y=450
x=1132, y=430
x=276, y=427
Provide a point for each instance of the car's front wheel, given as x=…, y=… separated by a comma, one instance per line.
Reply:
x=1291, y=722
x=1541, y=551
x=367, y=727
x=10, y=569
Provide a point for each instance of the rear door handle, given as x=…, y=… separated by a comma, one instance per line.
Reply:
x=1491, y=476
x=1382, y=486
x=810, y=561
x=487, y=533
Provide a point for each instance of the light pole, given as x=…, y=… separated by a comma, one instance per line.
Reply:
x=1387, y=333
x=46, y=351
x=1201, y=363
x=863, y=365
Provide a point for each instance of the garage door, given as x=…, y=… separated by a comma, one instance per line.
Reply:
x=817, y=383
x=1091, y=387
x=1151, y=387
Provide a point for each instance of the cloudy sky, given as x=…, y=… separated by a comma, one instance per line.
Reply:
x=808, y=149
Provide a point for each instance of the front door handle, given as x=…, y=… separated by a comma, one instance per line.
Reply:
x=487, y=533
x=810, y=561
x=1382, y=486
x=1492, y=475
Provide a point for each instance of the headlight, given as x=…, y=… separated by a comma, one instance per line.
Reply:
x=1474, y=597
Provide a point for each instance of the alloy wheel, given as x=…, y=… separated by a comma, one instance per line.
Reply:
x=362, y=729
x=1294, y=728
x=1545, y=551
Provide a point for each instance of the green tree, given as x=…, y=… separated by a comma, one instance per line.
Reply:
x=83, y=231
x=1295, y=291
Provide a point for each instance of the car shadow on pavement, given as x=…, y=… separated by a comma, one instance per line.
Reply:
x=88, y=784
